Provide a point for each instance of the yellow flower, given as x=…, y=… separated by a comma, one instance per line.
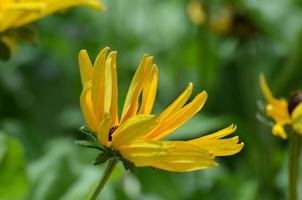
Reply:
x=138, y=135
x=196, y=12
x=16, y=13
x=219, y=22
x=278, y=110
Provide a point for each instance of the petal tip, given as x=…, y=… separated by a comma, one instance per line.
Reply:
x=83, y=52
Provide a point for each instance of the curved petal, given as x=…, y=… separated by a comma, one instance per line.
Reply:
x=98, y=84
x=219, y=146
x=103, y=130
x=149, y=91
x=15, y=11
x=178, y=103
x=108, y=82
x=132, y=99
x=297, y=118
x=86, y=69
x=174, y=121
x=87, y=108
x=177, y=156
x=114, y=97
x=133, y=128
x=278, y=130
x=57, y=5
x=266, y=90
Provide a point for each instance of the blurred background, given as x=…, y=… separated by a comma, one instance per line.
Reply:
x=221, y=46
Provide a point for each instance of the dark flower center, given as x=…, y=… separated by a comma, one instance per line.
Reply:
x=111, y=131
x=294, y=100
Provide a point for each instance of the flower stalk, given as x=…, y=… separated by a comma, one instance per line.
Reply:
x=294, y=154
x=109, y=169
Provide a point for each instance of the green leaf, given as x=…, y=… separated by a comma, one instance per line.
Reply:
x=13, y=178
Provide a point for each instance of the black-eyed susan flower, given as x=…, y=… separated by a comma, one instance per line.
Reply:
x=16, y=13
x=282, y=112
x=137, y=136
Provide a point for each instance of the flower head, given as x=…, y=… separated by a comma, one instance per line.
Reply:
x=16, y=13
x=281, y=112
x=137, y=135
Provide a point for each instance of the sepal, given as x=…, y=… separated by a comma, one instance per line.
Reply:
x=89, y=144
x=84, y=130
x=128, y=165
x=102, y=158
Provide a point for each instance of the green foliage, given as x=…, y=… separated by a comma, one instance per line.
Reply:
x=4, y=51
x=13, y=177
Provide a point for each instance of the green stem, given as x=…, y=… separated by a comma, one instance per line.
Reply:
x=294, y=154
x=109, y=169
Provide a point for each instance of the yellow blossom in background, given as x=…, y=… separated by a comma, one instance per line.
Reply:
x=138, y=135
x=196, y=12
x=220, y=22
x=16, y=13
x=278, y=110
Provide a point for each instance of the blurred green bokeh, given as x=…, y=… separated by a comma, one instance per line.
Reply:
x=40, y=88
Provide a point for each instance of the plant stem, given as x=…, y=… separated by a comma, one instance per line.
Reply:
x=294, y=154
x=109, y=169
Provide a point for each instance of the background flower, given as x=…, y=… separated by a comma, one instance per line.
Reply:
x=279, y=111
x=18, y=13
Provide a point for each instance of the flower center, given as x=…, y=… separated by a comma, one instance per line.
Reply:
x=294, y=100
x=111, y=131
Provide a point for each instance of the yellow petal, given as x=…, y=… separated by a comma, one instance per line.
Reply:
x=179, y=118
x=297, y=119
x=218, y=134
x=149, y=91
x=108, y=82
x=98, y=84
x=49, y=7
x=177, y=156
x=219, y=146
x=265, y=89
x=87, y=108
x=277, y=109
x=57, y=5
x=133, y=128
x=28, y=6
x=184, y=153
x=104, y=129
x=16, y=12
x=178, y=103
x=132, y=99
x=114, y=98
x=278, y=130
x=86, y=69
x=143, y=152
